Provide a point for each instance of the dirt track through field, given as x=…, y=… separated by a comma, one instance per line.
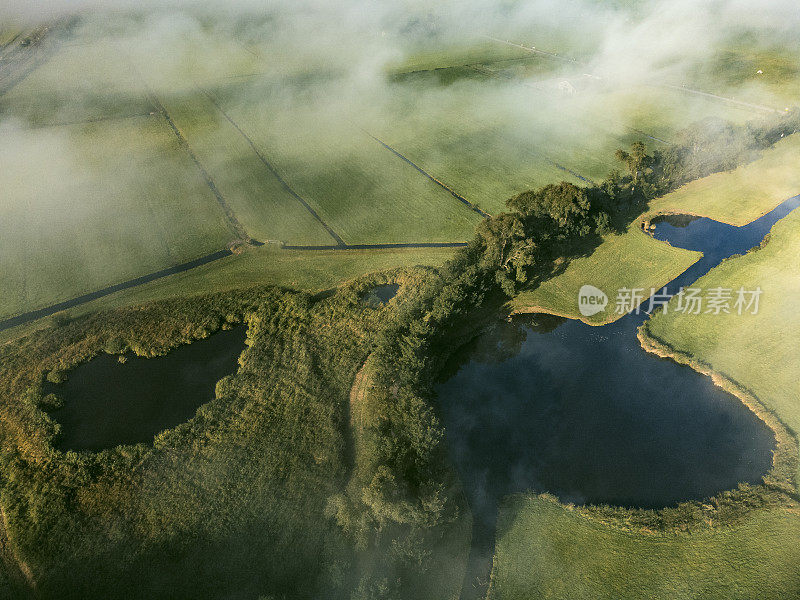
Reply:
x=19, y=573
x=276, y=174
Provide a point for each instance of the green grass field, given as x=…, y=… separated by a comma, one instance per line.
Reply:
x=487, y=137
x=734, y=68
x=631, y=260
x=660, y=111
x=266, y=210
x=751, y=349
x=743, y=195
x=77, y=83
x=635, y=260
x=91, y=205
x=8, y=33
x=364, y=192
x=544, y=550
x=485, y=52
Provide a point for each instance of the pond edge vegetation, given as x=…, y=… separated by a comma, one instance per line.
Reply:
x=399, y=496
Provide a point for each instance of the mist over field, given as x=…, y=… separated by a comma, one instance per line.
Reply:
x=315, y=86
x=305, y=171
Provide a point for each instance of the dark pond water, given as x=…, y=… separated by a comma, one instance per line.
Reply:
x=551, y=405
x=381, y=294
x=108, y=403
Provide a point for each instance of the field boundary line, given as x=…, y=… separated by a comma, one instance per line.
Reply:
x=276, y=174
x=441, y=184
x=130, y=283
x=91, y=120
x=52, y=309
x=233, y=222
x=387, y=246
x=534, y=50
x=31, y=57
x=11, y=41
x=718, y=97
x=662, y=85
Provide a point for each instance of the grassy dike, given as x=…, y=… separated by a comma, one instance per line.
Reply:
x=636, y=260
x=310, y=271
x=546, y=550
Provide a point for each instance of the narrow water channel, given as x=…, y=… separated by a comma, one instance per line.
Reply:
x=542, y=404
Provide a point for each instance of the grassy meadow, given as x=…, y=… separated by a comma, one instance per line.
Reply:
x=7, y=34
x=365, y=193
x=488, y=125
x=750, y=349
x=636, y=260
x=77, y=83
x=629, y=260
x=268, y=265
x=545, y=550
x=752, y=69
x=743, y=195
x=266, y=210
x=100, y=203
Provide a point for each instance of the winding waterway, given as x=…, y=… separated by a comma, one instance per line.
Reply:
x=545, y=404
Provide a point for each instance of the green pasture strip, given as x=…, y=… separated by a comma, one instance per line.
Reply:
x=544, y=550
x=744, y=194
x=264, y=207
x=757, y=351
x=296, y=269
x=359, y=189
x=77, y=84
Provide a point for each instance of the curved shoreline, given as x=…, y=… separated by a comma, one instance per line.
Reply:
x=781, y=477
x=639, y=226
x=785, y=457
x=614, y=317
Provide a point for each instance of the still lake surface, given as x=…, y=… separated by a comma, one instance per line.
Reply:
x=544, y=404
x=538, y=404
x=108, y=403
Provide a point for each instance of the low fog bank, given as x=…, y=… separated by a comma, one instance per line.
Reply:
x=318, y=75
